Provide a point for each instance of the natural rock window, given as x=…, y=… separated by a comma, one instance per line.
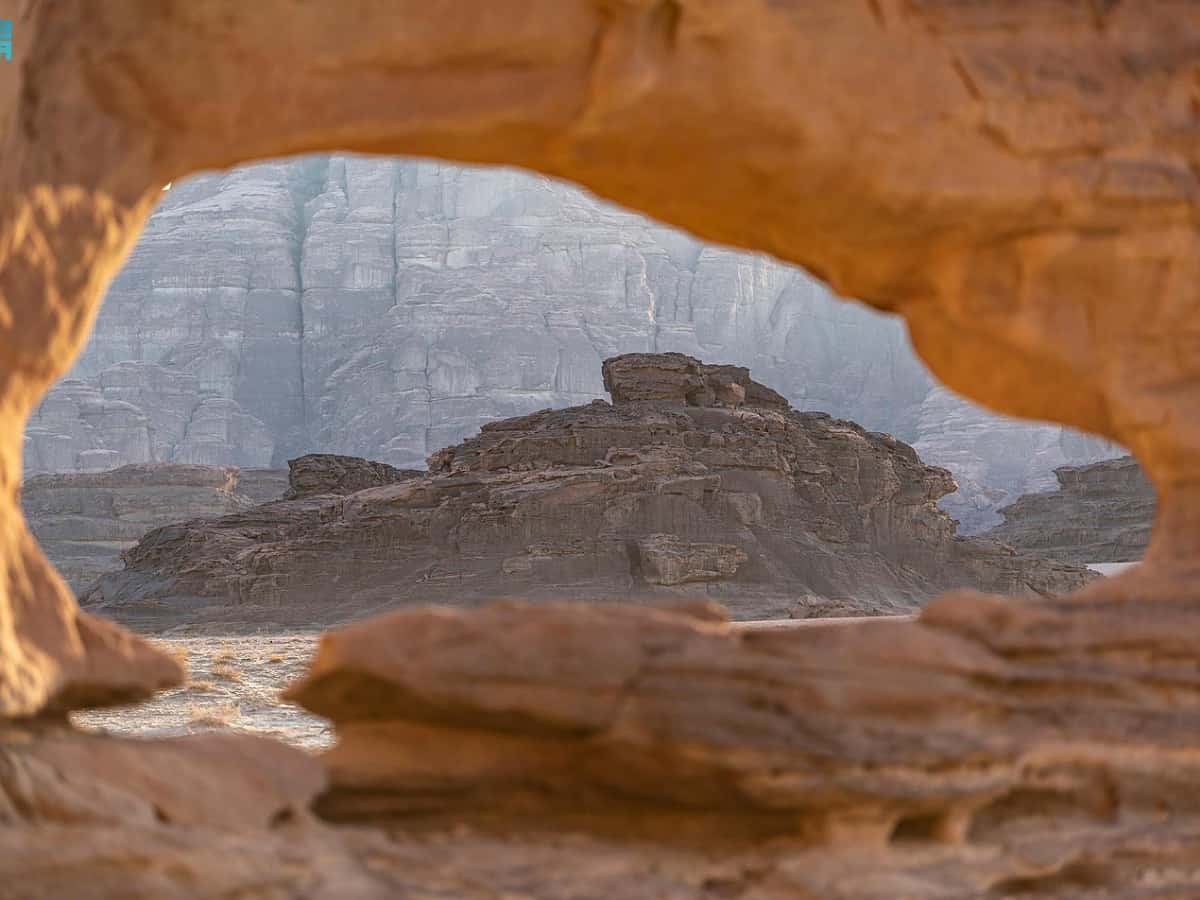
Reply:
x=1016, y=180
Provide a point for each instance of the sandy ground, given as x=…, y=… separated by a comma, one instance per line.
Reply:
x=234, y=685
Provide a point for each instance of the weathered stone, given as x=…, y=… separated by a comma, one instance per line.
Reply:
x=1101, y=513
x=328, y=473
x=680, y=487
x=667, y=560
x=998, y=747
x=62, y=777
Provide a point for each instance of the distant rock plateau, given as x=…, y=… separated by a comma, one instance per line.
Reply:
x=386, y=309
x=85, y=521
x=1101, y=513
x=694, y=483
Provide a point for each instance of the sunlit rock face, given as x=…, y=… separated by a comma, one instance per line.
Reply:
x=386, y=309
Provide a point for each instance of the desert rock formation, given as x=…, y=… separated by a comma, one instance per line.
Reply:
x=328, y=473
x=672, y=731
x=85, y=521
x=1017, y=180
x=388, y=308
x=695, y=481
x=1100, y=513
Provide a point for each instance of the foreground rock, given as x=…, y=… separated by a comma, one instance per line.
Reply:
x=1101, y=513
x=696, y=481
x=984, y=758
x=85, y=521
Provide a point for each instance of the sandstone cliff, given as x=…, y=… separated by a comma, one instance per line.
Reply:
x=695, y=481
x=386, y=309
x=1101, y=513
x=85, y=521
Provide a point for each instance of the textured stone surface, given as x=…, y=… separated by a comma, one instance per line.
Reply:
x=388, y=308
x=995, y=459
x=84, y=522
x=989, y=757
x=61, y=777
x=1100, y=513
x=328, y=473
x=699, y=482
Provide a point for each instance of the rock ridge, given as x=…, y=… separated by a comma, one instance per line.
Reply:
x=1101, y=513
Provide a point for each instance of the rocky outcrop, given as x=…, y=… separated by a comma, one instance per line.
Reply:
x=1101, y=513
x=85, y=522
x=389, y=308
x=328, y=473
x=994, y=459
x=669, y=729
x=696, y=481
x=262, y=485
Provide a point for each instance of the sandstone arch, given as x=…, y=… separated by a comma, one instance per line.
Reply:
x=1017, y=179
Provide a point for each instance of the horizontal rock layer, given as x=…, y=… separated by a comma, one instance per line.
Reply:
x=706, y=484
x=85, y=521
x=1101, y=513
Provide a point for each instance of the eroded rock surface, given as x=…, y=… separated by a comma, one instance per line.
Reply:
x=1101, y=513
x=697, y=480
x=84, y=522
x=671, y=731
x=328, y=473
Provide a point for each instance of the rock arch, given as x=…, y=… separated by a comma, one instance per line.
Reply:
x=1017, y=179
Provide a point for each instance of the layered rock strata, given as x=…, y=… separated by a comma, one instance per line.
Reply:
x=988, y=757
x=329, y=473
x=1100, y=513
x=84, y=522
x=695, y=481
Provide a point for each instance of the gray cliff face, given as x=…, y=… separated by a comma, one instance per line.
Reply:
x=387, y=308
x=995, y=459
